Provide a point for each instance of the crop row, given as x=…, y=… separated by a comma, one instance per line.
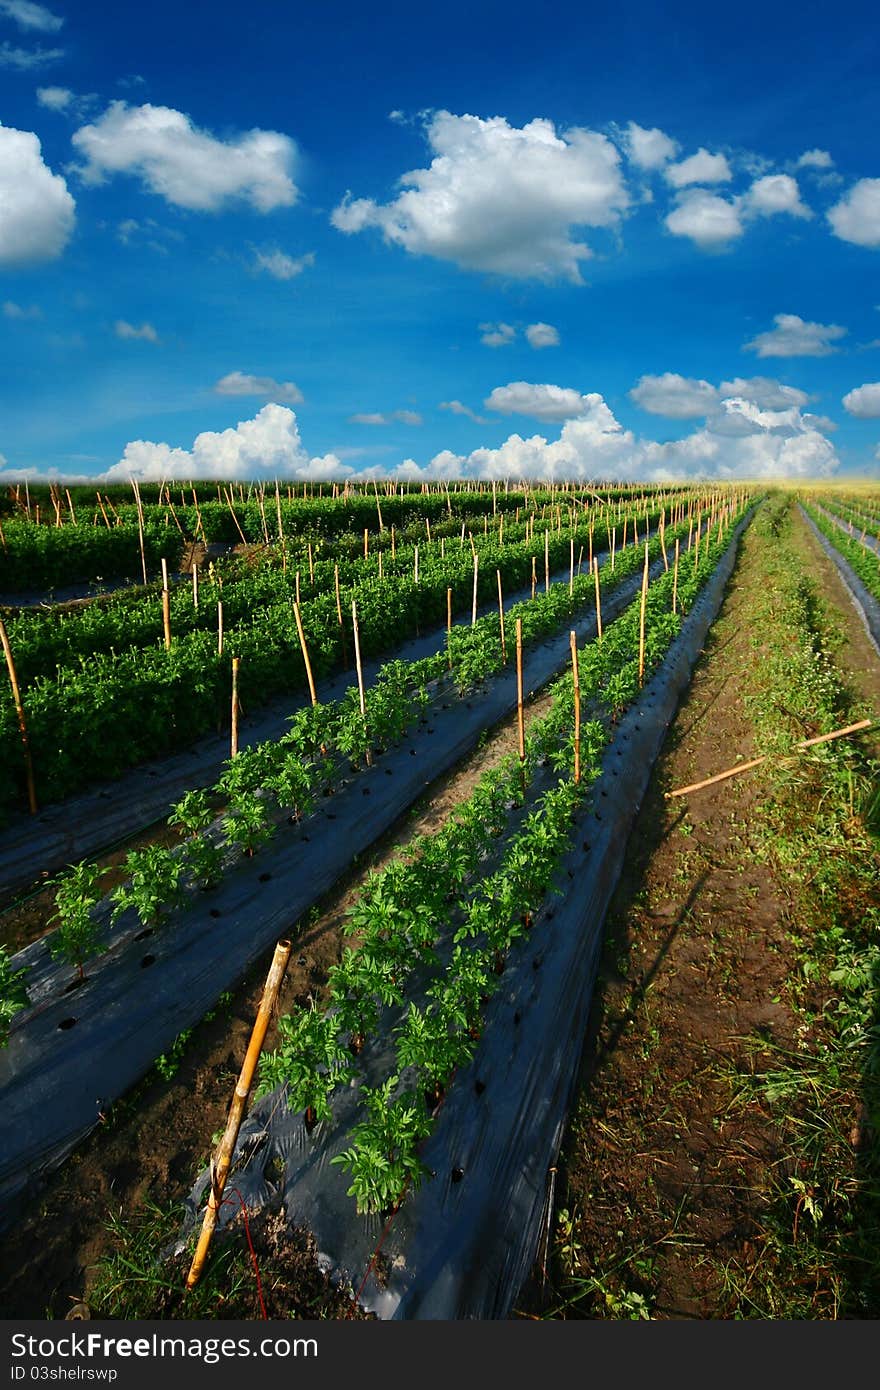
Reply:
x=435, y=923
x=93, y=721
x=864, y=562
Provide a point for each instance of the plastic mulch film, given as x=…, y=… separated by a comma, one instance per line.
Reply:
x=87, y=823
x=463, y=1242
x=78, y=1047
x=864, y=602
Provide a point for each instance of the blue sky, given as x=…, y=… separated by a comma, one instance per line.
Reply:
x=439, y=241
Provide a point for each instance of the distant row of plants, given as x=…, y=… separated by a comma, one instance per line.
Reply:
x=864, y=561
x=94, y=720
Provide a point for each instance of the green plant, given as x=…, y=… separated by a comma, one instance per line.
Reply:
x=247, y=823
x=309, y=1061
x=13, y=994
x=383, y=1159
x=76, y=894
x=154, y=883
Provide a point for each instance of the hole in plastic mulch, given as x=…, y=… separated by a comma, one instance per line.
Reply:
x=479, y=1087
x=457, y=1174
x=65, y=1024
x=264, y=876
x=74, y=984
x=147, y=960
x=215, y=912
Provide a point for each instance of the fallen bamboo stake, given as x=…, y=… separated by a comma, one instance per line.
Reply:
x=577, y=705
x=234, y=739
x=305, y=651
x=22, y=723
x=520, y=718
x=222, y=1160
x=746, y=767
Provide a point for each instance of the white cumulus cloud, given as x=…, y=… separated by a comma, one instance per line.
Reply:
x=676, y=397
x=37, y=213
x=815, y=159
x=145, y=333
x=269, y=446
x=864, y=401
x=242, y=384
x=856, y=217
x=185, y=165
x=278, y=264
x=701, y=167
x=497, y=334
x=542, y=335
x=375, y=417
x=540, y=401
x=764, y=392
x=54, y=98
x=794, y=337
x=29, y=15
x=711, y=222
x=648, y=149
x=772, y=194
x=458, y=408
x=500, y=198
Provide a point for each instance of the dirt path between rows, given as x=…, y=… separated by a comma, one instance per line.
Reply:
x=659, y=1181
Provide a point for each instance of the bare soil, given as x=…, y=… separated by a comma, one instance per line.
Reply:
x=662, y=1182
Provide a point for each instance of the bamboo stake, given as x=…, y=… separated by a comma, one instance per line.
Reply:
x=520, y=718
x=311, y=567
x=755, y=762
x=546, y=562
x=366, y=542
x=201, y=524
x=642, y=619
x=663, y=546
x=222, y=1160
x=305, y=651
x=501, y=618
x=140, y=512
x=449, y=625
x=103, y=512
x=70, y=505
x=360, y=671
x=166, y=606
x=598, y=599
x=675, y=578
x=234, y=517
x=613, y=541
x=534, y=574
x=474, y=604
x=195, y=572
x=577, y=705
x=236, y=661
x=571, y=569
x=219, y=628
x=22, y=722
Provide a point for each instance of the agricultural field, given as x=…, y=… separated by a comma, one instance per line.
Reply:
x=380, y=938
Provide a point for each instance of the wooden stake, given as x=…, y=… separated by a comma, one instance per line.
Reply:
x=360, y=672
x=613, y=541
x=546, y=562
x=222, y=1160
x=571, y=570
x=366, y=542
x=236, y=661
x=642, y=619
x=234, y=517
x=675, y=578
x=449, y=625
x=474, y=605
x=140, y=512
x=305, y=651
x=70, y=505
x=195, y=585
x=296, y=586
x=166, y=606
x=598, y=599
x=755, y=762
x=311, y=567
x=520, y=718
x=534, y=574
x=22, y=722
x=577, y=705
x=501, y=618
x=219, y=628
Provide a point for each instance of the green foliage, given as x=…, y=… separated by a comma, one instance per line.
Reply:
x=77, y=893
x=13, y=994
x=154, y=884
x=383, y=1160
